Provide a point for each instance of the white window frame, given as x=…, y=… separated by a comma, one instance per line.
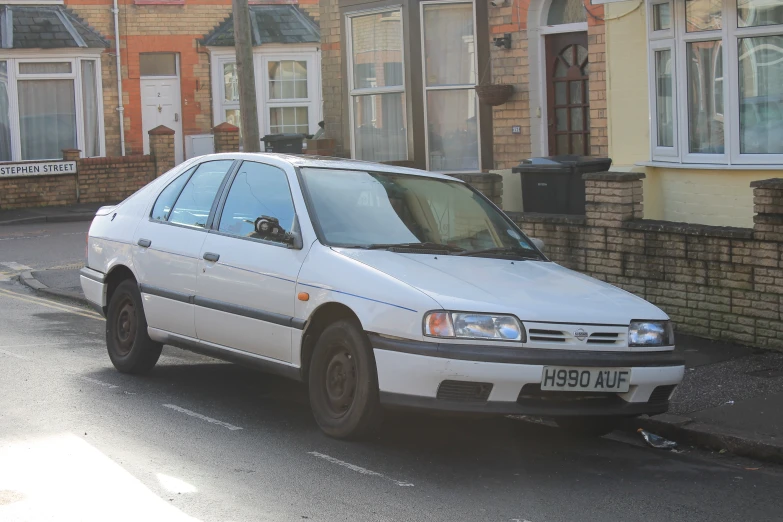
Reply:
x=354, y=92
x=426, y=88
x=677, y=39
x=272, y=103
x=261, y=57
x=13, y=58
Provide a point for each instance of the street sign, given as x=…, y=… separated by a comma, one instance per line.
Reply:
x=37, y=168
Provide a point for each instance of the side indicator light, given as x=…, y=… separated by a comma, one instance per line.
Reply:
x=303, y=296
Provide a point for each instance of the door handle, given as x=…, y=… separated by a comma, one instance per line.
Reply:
x=176, y=116
x=144, y=243
x=209, y=256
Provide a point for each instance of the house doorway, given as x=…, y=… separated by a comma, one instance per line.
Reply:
x=160, y=98
x=568, y=111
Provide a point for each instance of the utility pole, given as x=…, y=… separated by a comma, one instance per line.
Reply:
x=248, y=109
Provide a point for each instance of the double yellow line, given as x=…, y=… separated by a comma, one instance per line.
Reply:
x=51, y=304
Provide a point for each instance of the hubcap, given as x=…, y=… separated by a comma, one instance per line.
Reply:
x=340, y=381
x=125, y=327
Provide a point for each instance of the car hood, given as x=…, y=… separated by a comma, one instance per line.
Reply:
x=534, y=291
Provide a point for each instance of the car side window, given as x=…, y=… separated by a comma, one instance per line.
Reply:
x=194, y=203
x=166, y=199
x=259, y=204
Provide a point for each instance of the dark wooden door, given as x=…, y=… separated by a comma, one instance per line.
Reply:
x=568, y=110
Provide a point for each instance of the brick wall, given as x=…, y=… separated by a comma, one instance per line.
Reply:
x=113, y=179
x=715, y=282
x=37, y=191
x=97, y=180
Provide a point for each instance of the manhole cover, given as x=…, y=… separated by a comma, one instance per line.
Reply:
x=767, y=373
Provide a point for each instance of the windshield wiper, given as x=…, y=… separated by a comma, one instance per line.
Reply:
x=413, y=246
x=517, y=251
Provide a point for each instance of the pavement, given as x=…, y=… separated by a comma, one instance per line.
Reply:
x=61, y=214
x=198, y=439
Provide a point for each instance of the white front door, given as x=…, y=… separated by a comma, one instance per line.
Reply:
x=160, y=102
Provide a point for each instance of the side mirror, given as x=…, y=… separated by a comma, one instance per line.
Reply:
x=539, y=244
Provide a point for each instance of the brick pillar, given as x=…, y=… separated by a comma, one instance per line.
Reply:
x=322, y=147
x=162, y=149
x=768, y=206
x=613, y=197
x=491, y=185
x=226, y=138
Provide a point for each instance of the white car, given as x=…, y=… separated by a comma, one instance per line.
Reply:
x=378, y=286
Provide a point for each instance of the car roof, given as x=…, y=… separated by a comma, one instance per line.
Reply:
x=327, y=162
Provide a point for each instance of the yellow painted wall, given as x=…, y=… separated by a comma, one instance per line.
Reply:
x=709, y=197
x=626, y=92
x=720, y=197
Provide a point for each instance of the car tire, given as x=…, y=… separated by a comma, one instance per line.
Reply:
x=130, y=348
x=588, y=426
x=343, y=383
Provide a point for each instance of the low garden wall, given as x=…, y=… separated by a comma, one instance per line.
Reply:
x=714, y=282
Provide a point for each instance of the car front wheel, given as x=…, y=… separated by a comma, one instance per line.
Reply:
x=130, y=348
x=343, y=382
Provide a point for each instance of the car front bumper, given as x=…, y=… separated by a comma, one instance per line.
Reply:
x=506, y=380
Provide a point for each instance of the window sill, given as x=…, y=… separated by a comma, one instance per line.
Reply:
x=705, y=166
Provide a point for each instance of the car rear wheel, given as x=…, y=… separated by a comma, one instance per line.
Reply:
x=588, y=426
x=130, y=348
x=343, y=382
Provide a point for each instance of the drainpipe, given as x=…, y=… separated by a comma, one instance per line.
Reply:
x=120, y=108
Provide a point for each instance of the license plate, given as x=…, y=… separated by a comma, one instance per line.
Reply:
x=569, y=378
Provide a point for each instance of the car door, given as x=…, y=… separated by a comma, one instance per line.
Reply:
x=246, y=285
x=167, y=246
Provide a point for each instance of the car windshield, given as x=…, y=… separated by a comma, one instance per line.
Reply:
x=363, y=209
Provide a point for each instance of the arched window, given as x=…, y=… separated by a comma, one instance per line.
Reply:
x=566, y=12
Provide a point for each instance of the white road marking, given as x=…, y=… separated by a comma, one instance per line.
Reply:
x=31, y=345
x=12, y=354
x=96, y=381
x=358, y=469
x=202, y=417
x=15, y=266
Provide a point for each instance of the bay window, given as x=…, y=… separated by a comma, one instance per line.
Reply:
x=287, y=86
x=716, y=81
x=451, y=113
x=379, y=129
x=49, y=104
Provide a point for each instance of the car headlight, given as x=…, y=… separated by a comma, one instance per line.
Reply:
x=463, y=325
x=650, y=333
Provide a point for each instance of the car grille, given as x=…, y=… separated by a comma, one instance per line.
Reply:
x=464, y=391
x=563, y=337
x=603, y=338
x=662, y=393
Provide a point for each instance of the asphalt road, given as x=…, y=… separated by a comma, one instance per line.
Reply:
x=199, y=439
x=213, y=441
x=39, y=246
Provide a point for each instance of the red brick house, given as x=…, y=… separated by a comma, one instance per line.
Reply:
x=66, y=53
